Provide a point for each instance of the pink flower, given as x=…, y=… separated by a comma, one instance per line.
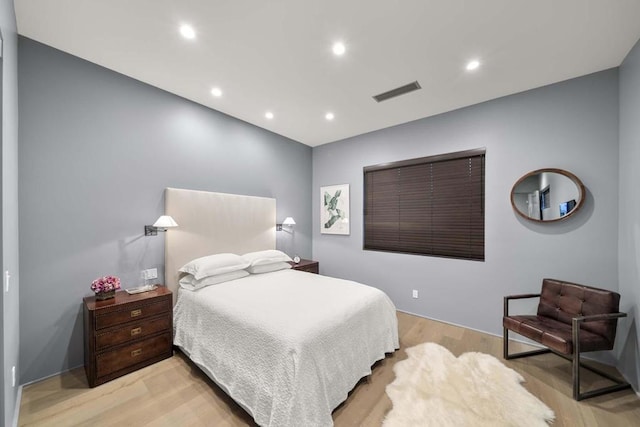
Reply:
x=105, y=284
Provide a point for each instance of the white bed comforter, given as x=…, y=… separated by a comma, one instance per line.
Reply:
x=288, y=346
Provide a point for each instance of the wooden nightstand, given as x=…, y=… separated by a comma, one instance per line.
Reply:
x=126, y=333
x=306, y=265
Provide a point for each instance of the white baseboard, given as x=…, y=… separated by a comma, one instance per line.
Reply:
x=525, y=341
x=51, y=375
x=533, y=344
x=16, y=410
x=16, y=413
x=473, y=329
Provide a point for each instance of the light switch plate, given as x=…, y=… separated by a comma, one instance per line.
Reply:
x=7, y=276
x=414, y=293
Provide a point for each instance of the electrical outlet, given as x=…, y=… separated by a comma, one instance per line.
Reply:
x=13, y=376
x=7, y=276
x=151, y=273
x=415, y=293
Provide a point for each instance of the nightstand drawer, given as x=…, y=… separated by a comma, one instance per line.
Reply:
x=132, y=332
x=306, y=265
x=133, y=312
x=309, y=268
x=124, y=357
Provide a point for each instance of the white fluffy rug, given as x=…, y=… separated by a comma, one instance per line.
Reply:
x=434, y=388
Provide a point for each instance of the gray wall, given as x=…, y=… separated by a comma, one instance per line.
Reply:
x=629, y=227
x=571, y=125
x=9, y=216
x=96, y=151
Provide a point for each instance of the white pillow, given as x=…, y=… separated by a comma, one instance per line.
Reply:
x=213, y=265
x=265, y=257
x=192, y=284
x=267, y=268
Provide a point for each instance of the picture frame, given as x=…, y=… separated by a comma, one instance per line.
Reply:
x=334, y=209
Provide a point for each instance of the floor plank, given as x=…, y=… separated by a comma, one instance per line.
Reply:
x=175, y=392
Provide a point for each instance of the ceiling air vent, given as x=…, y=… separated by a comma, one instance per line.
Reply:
x=397, y=91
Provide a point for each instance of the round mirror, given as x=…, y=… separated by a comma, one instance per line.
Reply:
x=547, y=195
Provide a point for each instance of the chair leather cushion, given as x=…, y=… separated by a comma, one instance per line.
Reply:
x=563, y=301
x=555, y=334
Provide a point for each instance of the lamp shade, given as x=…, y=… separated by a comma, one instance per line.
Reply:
x=288, y=221
x=165, y=221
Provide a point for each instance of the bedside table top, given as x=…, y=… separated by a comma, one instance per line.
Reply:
x=122, y=297
x=303, y=263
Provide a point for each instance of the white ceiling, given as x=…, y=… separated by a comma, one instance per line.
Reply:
x=276, y=54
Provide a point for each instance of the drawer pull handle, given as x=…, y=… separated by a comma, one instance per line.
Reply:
x=136, y=313
x=137, y=352
x=136, y=331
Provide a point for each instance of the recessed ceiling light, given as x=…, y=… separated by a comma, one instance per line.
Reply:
x=339, y=48
x=216, y=92
x=187, y=32
x=329, y=116
x=472, y=65
x=268, y=115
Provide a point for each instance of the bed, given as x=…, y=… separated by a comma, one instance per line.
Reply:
x=287, y=345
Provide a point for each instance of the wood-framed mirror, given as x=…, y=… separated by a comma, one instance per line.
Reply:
x=547, y=195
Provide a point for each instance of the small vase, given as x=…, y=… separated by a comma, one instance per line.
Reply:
x=100, y=296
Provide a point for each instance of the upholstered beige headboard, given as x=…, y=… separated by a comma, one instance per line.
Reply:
x=210, y=223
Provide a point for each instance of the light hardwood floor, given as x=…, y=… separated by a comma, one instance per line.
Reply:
x=175, y=393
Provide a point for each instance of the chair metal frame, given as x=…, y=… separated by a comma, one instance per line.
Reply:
x=575, y=357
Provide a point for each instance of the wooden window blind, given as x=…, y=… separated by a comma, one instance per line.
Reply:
x=428, y=206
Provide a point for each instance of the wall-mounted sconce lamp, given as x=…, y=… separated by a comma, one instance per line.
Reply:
x=162, y=224
x=288, y=221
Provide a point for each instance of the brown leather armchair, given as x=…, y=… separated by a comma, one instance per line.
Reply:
x=571, y=319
